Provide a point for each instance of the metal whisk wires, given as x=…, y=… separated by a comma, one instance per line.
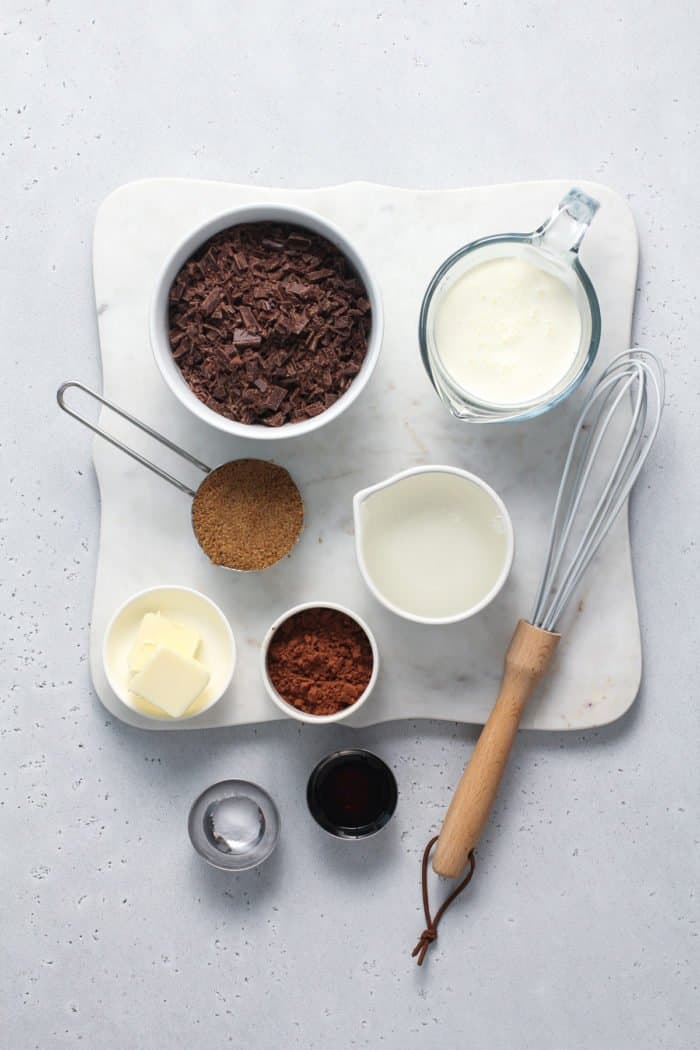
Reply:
x=634, y=377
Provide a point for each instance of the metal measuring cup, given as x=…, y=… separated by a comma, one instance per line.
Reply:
x=167, y=443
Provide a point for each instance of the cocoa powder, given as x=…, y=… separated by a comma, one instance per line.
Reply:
x=320, y=661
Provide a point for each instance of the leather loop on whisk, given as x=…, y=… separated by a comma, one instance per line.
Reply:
x=429, y=934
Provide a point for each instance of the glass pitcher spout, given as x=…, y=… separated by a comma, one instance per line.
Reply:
x=563, y=232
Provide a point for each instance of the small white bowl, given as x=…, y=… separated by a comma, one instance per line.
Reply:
x=189, y=608
x=290, y=709
x=415, y=489
x=160, y=341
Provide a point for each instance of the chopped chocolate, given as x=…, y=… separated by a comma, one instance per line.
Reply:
x=243, y=338
x=269, y=323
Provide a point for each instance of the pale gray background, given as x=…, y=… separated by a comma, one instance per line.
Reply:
x=581, y=929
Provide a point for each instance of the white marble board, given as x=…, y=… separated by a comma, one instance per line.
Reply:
x=436, y=672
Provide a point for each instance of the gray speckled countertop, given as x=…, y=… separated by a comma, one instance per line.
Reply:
x=581, y=929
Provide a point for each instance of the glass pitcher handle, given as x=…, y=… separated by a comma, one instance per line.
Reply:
x=563, y=232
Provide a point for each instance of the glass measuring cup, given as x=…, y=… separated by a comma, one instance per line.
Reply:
x=553, y=248
x=209, y=472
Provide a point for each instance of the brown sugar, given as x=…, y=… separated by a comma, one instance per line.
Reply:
x=320, y=660
x=247, y=514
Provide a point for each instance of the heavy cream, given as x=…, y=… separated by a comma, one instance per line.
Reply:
x=507, y=331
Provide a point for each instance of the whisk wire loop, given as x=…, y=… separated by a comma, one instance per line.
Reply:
x=632, y=382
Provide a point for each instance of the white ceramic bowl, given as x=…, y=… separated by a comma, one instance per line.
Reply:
x=453, y=491
x=290, y=709
x=189, y=608
x=160, y=341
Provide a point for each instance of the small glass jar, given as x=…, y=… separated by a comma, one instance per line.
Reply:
x=234, y=825
x=553, y=248
x=352, y=794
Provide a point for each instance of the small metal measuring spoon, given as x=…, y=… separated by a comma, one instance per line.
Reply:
x=167, y=443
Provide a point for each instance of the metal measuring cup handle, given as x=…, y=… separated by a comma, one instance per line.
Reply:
x=61, y=398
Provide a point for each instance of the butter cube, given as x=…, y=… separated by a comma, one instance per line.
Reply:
x=171, y=681
x=156, y=630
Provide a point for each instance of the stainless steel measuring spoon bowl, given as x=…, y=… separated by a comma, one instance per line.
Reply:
x=167, y=443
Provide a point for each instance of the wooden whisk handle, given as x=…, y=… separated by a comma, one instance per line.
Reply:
x=527, y=659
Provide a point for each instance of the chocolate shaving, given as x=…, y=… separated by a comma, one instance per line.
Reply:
x=243, y=338
x=248, y=317
x=269, y=323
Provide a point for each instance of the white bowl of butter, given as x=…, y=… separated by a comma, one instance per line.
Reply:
x=169, y=653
